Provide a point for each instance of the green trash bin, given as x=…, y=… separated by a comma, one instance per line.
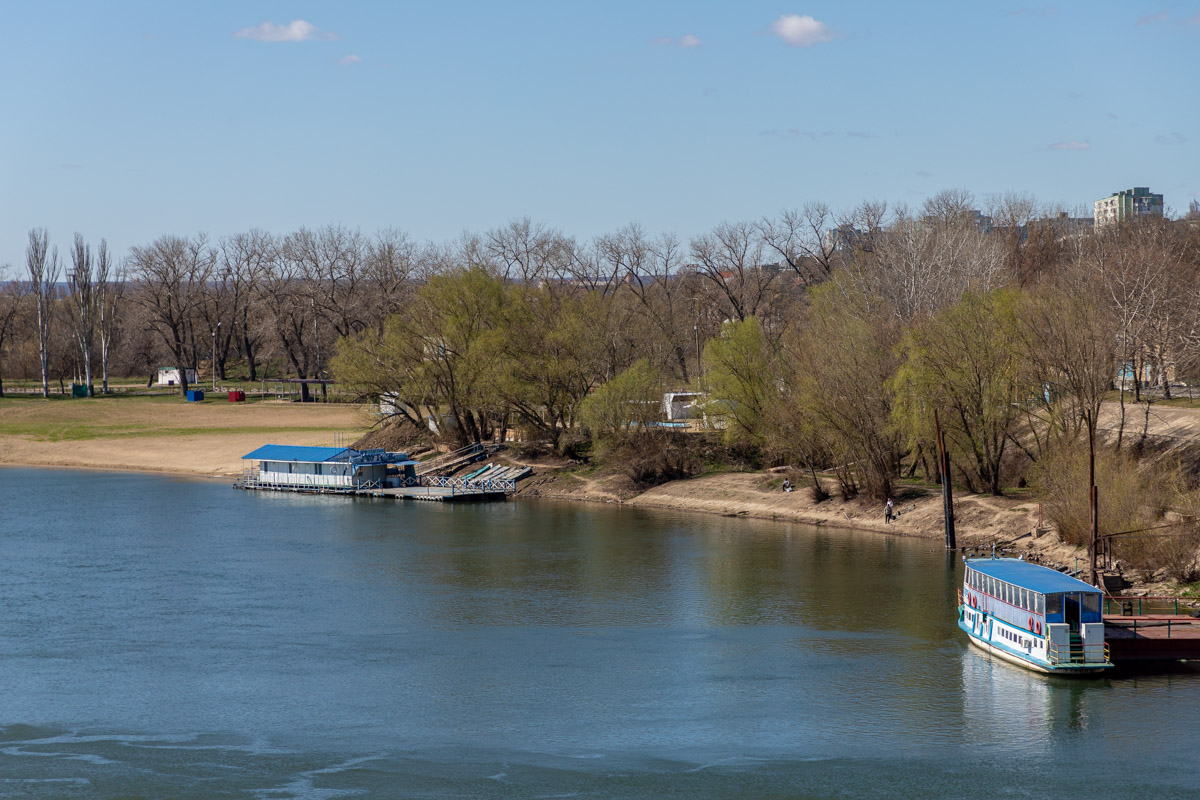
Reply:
x=79, y=390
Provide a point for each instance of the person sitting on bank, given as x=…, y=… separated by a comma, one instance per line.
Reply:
x=787, y=485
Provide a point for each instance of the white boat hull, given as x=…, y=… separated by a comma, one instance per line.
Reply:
x=1030, y=664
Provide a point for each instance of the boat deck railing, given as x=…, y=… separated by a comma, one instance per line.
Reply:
x=252, y=479
x=304, y=483
x=1077, y=653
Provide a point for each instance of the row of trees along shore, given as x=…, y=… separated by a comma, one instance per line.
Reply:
x=820, y=340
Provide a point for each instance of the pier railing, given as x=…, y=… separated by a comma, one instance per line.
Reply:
x=1141, y=606
x=464, y=485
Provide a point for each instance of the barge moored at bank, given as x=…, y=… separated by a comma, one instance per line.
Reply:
x=1033, y=616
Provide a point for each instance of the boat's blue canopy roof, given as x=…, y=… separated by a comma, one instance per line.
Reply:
x=289, y=452
x=1034, y=577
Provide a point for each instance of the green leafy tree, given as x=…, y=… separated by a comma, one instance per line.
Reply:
x=549, y=359
x=839, y=366
x=440, y=356
x=628, y=403
x=742, y=386
x=966, y=362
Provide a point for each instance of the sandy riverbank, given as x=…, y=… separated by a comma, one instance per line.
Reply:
x=163, y=434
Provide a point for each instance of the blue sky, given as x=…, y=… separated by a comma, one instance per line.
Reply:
x=129, y=120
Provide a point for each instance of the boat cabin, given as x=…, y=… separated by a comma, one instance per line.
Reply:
x=1017, y=592
x=327, y=468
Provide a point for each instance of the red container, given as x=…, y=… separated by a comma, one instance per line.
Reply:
x=237, y=396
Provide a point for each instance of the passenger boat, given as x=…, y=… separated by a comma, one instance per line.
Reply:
x=1033, y=616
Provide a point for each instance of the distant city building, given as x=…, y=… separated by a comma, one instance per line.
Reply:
x=844, y=237
x=1128, y=204
x=979, y=219
x=1065, y=226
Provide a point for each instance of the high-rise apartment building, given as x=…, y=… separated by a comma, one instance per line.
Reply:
x=1129, y=204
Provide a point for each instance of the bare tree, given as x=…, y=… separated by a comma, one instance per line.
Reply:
x=245, y=264
x=84, y=305
x=291, y=315
x=394, y=263
x=731, y=258
x=526, y=251
x=12, y=296
x=920, y=266
x=950, y=205
x=43, y=266
x=807, y=240
x=172, y=272
x=650, y=271
x=110, y=292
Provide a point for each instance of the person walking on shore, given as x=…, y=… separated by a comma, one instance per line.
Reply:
x=887, y=512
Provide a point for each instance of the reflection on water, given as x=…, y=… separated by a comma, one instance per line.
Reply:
x=257, y=645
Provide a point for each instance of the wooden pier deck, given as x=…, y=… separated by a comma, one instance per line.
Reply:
x=437, y=494
x=1152, y=637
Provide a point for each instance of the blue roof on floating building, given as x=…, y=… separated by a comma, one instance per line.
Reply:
x=290, y=452
x=1033, y=577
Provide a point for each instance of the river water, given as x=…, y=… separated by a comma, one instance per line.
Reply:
x=165, y=637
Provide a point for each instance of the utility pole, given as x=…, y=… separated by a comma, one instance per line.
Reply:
x=947, y=489
x=213, y=365
x=1094, y=503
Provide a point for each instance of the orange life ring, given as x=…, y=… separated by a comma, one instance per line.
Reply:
x=1039, y=629
x=1031, y=623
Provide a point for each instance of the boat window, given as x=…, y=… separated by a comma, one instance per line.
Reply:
x=1091, y=603
x=1039, y=604
x=1054, y=604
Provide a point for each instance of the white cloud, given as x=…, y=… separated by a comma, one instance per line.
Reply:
x=297, y=30
x=1071, y=145
x=1151, y=19
x=684, y=41
x=801, y=31
x=349, y=59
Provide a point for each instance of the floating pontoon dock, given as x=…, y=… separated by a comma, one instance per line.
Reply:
x=377, y=473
